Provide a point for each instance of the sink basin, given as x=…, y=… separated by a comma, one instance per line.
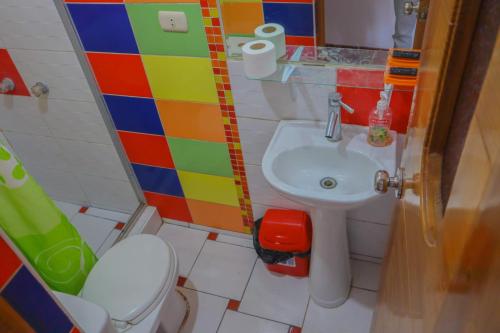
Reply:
x=330, y=178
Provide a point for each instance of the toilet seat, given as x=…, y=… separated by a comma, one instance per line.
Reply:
x=132, y=278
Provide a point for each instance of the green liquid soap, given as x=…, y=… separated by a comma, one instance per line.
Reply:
x=379, y=125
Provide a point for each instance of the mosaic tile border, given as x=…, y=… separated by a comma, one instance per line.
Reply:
x=216, y=45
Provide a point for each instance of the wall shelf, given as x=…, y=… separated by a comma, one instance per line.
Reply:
x=333, y=66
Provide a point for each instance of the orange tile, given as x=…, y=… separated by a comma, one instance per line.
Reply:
x=147, y=149
x=216, y=215
x=169, y=206
x=242, y=18
x=120, y=74
x=191, y=120
x=11, y=320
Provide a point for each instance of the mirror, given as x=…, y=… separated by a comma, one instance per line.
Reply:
x=349, y=24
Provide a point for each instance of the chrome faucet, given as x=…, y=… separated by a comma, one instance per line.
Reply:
x=334, y=124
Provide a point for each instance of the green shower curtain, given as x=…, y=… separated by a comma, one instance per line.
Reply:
x=40, y=230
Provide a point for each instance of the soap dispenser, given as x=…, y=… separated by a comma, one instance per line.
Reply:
x=379, y=123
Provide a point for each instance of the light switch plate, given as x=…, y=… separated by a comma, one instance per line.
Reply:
x=173, y=21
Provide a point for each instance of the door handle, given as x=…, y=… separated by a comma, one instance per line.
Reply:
x=383, y=182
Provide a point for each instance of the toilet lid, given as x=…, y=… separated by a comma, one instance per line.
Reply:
x=130, y=276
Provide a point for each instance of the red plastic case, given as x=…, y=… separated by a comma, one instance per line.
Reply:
x=287, y=231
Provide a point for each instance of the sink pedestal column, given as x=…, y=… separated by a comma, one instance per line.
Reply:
x=330, y=272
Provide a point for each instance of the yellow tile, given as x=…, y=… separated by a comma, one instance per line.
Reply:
x=213, y=12
x=207, y=22
x=181, y=78
x=209, y=188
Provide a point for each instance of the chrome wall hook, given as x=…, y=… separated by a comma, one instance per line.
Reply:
x=7, y=85
x=40, y=89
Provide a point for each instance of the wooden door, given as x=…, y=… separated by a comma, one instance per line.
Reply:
x=420, y=26
x=443, y=257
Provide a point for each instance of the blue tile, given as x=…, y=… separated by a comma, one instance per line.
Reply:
x=159, y=180
x=134, y=114
x=297, y=18
x=103, y=28
x=34, y=304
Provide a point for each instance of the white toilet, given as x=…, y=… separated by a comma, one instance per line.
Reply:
x=131, y=289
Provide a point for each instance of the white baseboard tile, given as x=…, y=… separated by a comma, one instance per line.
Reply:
x=366, y=258
x=149, y=222
x=176, y=222
x=220, y=231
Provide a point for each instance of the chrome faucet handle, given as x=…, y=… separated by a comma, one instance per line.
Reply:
x=346, y=107
x=335, y=98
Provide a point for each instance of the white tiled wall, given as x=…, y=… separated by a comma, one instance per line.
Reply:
x=259, y=107
x=62, y=140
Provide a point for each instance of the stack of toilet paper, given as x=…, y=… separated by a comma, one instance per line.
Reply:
x=259, y=56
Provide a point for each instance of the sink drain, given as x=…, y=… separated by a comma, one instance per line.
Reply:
x=328, y=183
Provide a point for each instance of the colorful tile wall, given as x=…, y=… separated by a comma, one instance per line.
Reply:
x=241, y=17
x=25, y=300
x=8, y=70
x=153, y=40
x=170, y=99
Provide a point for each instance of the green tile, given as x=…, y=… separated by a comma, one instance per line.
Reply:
x=210, y=158
x=153, y=40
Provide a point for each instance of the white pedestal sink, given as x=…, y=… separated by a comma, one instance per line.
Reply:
x=330, y=178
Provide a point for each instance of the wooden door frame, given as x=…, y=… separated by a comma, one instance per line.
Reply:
x=320, y=22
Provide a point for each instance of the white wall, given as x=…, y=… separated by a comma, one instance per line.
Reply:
x=259, y=108
x=62, y=140
x=364, y=23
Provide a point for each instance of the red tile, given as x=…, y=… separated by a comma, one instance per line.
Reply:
x=300, y=40
x=295, y=329
x=401, y=108
x=169, y=206
x=120, y=74
x=108, y=1
x=233, y=305
x=83, y=210
x=212, y=236
x=181, y=280
x=119, y=226
x=365, y=100
x=147, y=149
x=8, y=70
x=360, y=78
x=9, y=264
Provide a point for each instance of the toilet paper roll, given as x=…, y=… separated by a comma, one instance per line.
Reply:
x=259, y=58
x=274, y=33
